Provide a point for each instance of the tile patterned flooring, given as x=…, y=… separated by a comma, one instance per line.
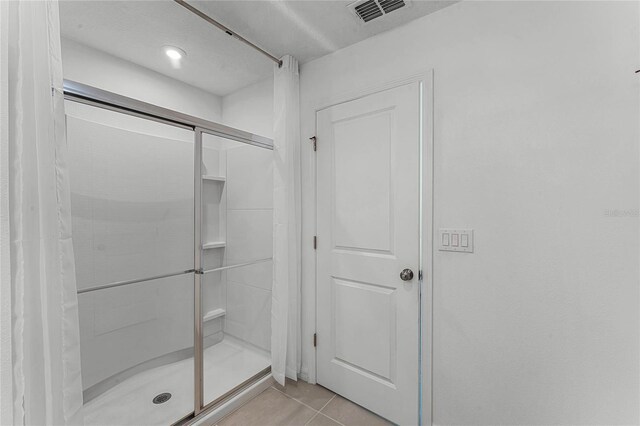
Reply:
x=301, y=404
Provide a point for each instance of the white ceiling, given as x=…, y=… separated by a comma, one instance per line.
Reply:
x=306, y=29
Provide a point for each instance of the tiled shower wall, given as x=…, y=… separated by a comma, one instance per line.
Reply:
x=249, y=238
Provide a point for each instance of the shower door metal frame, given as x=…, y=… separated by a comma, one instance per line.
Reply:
x=82, y=93
x=198, y=347
x=201, y=406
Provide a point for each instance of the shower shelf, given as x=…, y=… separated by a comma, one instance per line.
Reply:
x=216, y=313
x=214, y=178
x=214, y=244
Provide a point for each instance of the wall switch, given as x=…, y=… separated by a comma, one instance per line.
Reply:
x=456, y=240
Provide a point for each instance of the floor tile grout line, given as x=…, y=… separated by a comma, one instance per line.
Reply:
x=331, y=418
x=325, y=405
x=311, y=419
x=300, y=402
x=317, y=412
x=296, y=400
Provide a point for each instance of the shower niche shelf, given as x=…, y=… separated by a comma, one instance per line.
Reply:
x=212, y=178
x=214, y=202
x=214, y=244
x=213, y=314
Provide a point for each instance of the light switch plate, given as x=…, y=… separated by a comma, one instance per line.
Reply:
x=455, y=239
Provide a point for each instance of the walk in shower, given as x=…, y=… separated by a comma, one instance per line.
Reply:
x=172, y=230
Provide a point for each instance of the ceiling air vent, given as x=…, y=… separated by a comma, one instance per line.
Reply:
x=391, y=5
x=368, y=10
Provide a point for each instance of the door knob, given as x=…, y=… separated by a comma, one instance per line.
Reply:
x=406, y=275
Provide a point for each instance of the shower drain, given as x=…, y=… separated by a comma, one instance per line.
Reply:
x=163, y=397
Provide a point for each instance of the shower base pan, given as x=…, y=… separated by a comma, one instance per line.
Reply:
x=226, y=364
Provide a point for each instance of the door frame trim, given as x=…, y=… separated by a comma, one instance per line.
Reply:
x=425, y=78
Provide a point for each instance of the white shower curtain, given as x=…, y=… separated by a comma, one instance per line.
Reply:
x=285, y=308
x=38, y=272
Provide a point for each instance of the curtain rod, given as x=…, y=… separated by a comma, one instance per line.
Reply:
x=218, y=25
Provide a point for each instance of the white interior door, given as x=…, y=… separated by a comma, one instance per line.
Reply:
x=368, y=232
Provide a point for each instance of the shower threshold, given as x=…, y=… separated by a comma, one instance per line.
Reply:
x=226, y=365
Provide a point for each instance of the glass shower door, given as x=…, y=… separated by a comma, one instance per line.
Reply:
x=236, y=257
x=133, y=232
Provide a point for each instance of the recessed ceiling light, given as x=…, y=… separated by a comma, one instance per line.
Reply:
x=174, y=53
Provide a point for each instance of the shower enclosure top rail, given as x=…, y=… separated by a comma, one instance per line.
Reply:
x=91, y=95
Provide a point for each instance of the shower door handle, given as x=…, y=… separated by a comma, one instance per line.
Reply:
x=406, y=275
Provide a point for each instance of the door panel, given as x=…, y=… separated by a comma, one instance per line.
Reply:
x=375, y=317
x=368, y=231
x=362, y=201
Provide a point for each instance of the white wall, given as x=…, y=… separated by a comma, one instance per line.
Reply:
x=535, y=137
x=251, y=108
x=99, y=69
